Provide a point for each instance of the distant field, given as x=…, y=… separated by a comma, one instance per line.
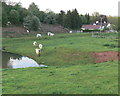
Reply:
x=71, y=70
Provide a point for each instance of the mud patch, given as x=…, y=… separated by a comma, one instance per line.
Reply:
x=106, y=56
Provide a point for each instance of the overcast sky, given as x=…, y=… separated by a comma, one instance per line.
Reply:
x=107, y=7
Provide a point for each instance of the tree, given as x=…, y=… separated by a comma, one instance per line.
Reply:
x=83, y=19
x=17, y=6
x=32, y=22
x=5, y=13
x=14, y=17
x=87, y=18
x=7, y=8
x=67, y=20
x=42, y=16
x=94, y=17
x=114, y=21
x=23, y=13
x=35, y=23
x=72, y=20
x=50, y=18
x=4, y=17
x=33, y=9
x=60, y=17
x=75, y=20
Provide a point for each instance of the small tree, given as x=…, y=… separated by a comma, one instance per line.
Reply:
x=32, y=22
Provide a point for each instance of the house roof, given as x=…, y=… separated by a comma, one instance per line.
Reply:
x=90, y=27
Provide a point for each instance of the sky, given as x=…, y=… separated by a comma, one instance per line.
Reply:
x=106, y=7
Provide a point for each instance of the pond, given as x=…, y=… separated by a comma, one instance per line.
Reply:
x=10, y=60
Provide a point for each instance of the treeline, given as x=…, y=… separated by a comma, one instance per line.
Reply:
x=32, y=17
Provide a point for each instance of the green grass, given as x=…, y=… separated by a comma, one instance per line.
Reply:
x=83, y=79
x=59, y=48
x=70, y=69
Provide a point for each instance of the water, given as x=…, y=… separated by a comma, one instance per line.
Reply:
x=10, y=60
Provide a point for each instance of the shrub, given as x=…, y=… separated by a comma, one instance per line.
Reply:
x=32, y=22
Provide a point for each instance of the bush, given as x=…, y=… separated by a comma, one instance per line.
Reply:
x=32, y=22
x=88, y=30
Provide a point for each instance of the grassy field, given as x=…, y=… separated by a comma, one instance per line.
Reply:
x=70, y=69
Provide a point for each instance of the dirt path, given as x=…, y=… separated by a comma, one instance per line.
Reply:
x=106, y=56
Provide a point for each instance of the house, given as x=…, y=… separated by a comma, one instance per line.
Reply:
x=91, y=27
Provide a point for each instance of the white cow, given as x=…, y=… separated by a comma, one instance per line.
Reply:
x=50, y=34
x=70, y=31
x=40, y=46
x=38, y=51
x=28, y=31
x=39, y=35
x=34, y=43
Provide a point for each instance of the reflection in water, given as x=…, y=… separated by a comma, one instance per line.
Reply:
x=10, y=60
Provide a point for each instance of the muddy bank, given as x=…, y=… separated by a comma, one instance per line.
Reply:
x=106, y=56
x=17, y=31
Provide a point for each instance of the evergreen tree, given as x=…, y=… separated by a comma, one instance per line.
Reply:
x=83, y=19
x=72, y=20
x=87, y=18
x=60, y=18
x=75, y=20
x=67, y=20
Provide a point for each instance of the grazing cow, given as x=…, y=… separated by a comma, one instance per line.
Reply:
x=28, y=31
x=39, y=35
x=70, y=31
x=50, y=34
x=38, y=51
x=34, y=43
x=40, y=46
